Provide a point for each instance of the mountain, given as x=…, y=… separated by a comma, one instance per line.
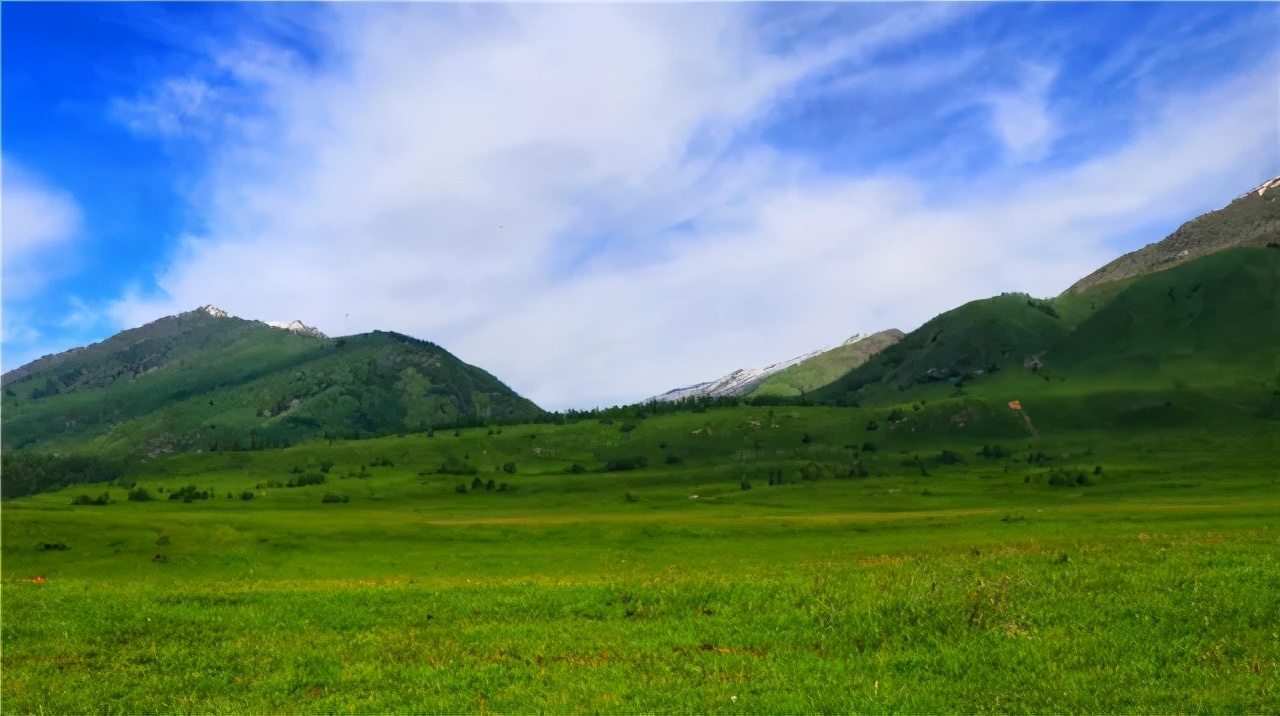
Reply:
x=739, y=382
x=1197, y=339
x=1253, y=219
x=976, y=338
x=823, y=368
x=205, y=380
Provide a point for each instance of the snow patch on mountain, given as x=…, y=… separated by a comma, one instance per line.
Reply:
x=214, y=311
x=296, y=327
x=739, y=382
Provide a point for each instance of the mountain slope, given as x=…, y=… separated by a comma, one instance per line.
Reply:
x=204, y=380
x=1253, y=219
x=976, y=338
x=818, y=371
x=739, y=382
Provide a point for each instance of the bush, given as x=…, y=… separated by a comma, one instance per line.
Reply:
x=993, y=452
x=460, y=487
x=626, y=427
x=509, y=468
x=1061, y=476
x=476, y=484
x=674, y=459
x=162, y=540
x=246, y=495
x=331, y=498
x=326, y=466
x=490, y=484
x=103, y=499
x=455, y=466
x=806, y=439
x=630, y=497
x=745, y=484
x=946, y=457
x=869, y=447
x=311, y=478
x=626, y=463
x=140, y=494
x=502, y=487
x=577, y=468
x=189, y=494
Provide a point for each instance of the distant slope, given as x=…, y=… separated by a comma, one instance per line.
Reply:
x=973, y=339
x=739, y=382
x=1216, y=313
x=1253, y=219
x=1196, y=345
x=818, y=371
x=203, y=380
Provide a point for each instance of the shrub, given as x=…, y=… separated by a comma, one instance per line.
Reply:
x=140, y=494
x=626, y=427
x=455, y=466
x=745, y=484
x=806, y=439
x=331, y=498
x=993, y=452
x=577, y=468
x=103, y=499
x=869, y=447
x=326, y=466
x=274, y=483
x=311, y=478
x=630, y=497
x=509, y=468
x=246, y=495
x=626, y=463
x=476, y=484
x=489, y=485
x=162, y=540
x=872, y=425
x=946, y=457
x=460, y=487
x=189, y=494
x=502, y=487
x=674, y=459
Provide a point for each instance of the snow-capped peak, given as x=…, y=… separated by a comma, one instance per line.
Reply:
x=296, y=327
x=213, y=310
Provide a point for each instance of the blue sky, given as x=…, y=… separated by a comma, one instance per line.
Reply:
x=601, y=202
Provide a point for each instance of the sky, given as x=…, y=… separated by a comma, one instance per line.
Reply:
x=601, y=202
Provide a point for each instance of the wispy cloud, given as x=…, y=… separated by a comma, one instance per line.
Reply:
x=579, y=199
x=39, y=222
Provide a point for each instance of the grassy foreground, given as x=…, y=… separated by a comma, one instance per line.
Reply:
x=934, y=582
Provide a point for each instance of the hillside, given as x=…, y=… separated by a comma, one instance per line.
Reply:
x=1195, y=346
x=818, y=371
x=203, y=380
x=1253, y=219
x=976, y=338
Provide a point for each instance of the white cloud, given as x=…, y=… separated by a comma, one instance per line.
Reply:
x=37, y=222
x=1021, y=118
x=502, y=188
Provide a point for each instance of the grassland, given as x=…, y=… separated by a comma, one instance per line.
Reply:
x=907, y=573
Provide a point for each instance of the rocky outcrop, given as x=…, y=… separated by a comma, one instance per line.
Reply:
x=1253, y=219
x=297, y=327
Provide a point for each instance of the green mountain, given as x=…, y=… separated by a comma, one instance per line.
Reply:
x=819, y=371
x=976, y=338
x=1195, y=341
x=1253, y=219
x=203, y=380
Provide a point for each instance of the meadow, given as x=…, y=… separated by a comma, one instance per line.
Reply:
x=741, y=559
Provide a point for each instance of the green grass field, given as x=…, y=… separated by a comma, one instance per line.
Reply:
x=933, y=582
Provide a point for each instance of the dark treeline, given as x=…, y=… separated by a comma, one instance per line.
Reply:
x=29, y=473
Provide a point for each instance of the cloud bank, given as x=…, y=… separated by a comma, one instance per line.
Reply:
x=578, y=200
